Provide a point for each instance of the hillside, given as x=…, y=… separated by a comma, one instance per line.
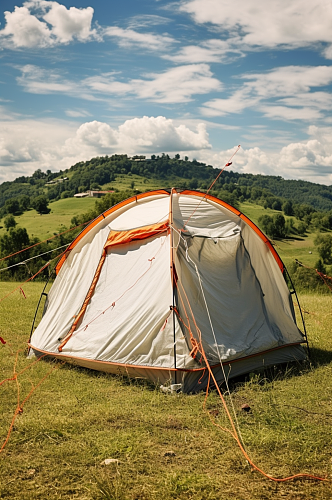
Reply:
x=121, y=172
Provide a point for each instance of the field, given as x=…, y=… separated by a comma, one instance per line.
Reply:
x=62, y=211
x=163, y=446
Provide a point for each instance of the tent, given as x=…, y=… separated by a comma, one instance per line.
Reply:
x=159, y=279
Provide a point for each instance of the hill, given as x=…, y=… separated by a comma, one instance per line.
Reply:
x=43, y=207
x=121, y=172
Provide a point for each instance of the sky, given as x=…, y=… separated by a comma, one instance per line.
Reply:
x=83, y=78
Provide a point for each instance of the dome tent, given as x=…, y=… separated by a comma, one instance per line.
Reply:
x=161, y=277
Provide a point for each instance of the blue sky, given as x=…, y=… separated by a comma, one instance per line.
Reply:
x=196, y=77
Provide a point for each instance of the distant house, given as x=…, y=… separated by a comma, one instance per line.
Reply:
x=92, y=194
x=138, y=158
x=81, y=195
x=56, y=181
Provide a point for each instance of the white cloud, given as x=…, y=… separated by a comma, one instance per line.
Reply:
x=128, y=38
x=175, y=85
x=146, y=20
x=71, y=23
x=287, y=113
x=161, y=134
x=77, y=113
x=210, y=51
x=46, y=23
x=24, y=30
x=147, y=134
x=26, y=145
x=42, y=23
x=309, y=160
x=38, y=81
x=284, y=93
x=280, y=23
x=172, y=86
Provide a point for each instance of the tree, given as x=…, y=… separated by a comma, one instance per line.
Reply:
x=324, y=244
x=276, y=205
x=24, y=202
x=10, y=222
x=266, y=224
x=288, y=208
x=16, y=240
x=12, y=206
x=275, y=226
x=40, y=203
x=279, y=225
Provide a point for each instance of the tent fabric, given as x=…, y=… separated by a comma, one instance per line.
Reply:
x=140, y=233
x=159, y=274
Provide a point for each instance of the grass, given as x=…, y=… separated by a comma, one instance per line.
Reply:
x=294, y=247
x=165, y=445
x=62, y=211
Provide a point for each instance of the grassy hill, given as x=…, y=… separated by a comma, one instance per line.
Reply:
x=62, y=211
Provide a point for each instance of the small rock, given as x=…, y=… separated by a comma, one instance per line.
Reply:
x=246, y=408
x=31, y=472
x=169, y=454
x=109, y=461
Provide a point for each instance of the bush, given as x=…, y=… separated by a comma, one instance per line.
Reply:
x=307, y=280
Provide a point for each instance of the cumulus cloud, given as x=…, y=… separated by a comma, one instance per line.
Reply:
x=26, y=145
x=46, y=23
x=175, y=85
x=253, y=24
x=147, y=134
x=43, y=23
x=309, y=160
x=286, y=93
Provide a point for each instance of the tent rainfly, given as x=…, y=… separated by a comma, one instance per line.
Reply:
x=162, y=277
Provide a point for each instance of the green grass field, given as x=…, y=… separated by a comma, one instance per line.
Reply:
x=62, y=211
x=289, y=249
x=164, y=446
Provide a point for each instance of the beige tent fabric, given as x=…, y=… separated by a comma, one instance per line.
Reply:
x=229, y=292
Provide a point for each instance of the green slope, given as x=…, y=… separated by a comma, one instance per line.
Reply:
x=62, y=211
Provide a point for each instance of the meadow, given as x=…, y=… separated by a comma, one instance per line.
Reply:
x=62, y=211
x=161, y=445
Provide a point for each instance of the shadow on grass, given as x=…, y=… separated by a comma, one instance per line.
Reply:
x=319, y=356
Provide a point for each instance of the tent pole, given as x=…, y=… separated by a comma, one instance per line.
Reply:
x=172, y=275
